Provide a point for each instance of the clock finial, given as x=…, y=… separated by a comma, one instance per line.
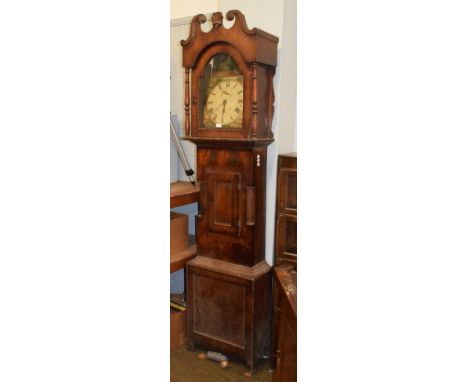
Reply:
x=217, y=19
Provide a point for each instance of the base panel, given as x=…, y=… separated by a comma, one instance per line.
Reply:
x=229, y=308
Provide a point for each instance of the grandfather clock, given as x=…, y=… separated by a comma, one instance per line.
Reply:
x=228, y=113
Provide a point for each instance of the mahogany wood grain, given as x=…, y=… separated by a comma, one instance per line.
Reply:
x=250, y=215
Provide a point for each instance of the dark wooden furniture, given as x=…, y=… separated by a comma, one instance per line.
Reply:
x=284, y=334
x=285, y=324
x=286, y=210
x=228, y=114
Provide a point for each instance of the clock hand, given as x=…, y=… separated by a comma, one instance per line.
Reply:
x=224, y=108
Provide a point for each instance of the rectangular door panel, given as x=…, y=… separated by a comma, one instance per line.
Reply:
x=223, y=202
x=219, y=309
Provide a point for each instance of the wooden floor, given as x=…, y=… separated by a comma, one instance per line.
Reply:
x=186, y=366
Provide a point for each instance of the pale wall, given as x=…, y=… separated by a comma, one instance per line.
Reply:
x=184, y=8
x=288, y=82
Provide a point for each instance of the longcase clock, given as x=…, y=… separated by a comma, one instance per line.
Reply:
x=228, y=113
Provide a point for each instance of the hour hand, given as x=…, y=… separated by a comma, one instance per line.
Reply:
x=224, y=108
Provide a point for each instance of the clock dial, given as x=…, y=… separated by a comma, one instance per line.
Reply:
x=224, y=102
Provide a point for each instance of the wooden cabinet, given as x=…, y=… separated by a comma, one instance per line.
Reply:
x=285, y=324
x=286, y=210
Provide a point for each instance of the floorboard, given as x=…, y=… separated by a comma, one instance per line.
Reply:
x=186, y=366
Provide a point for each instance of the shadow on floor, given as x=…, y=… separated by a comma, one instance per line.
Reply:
x=186, y=366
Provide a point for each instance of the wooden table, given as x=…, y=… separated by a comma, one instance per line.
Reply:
x=184, y=193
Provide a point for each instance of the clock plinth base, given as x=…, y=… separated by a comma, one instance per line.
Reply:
x=229, y=308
